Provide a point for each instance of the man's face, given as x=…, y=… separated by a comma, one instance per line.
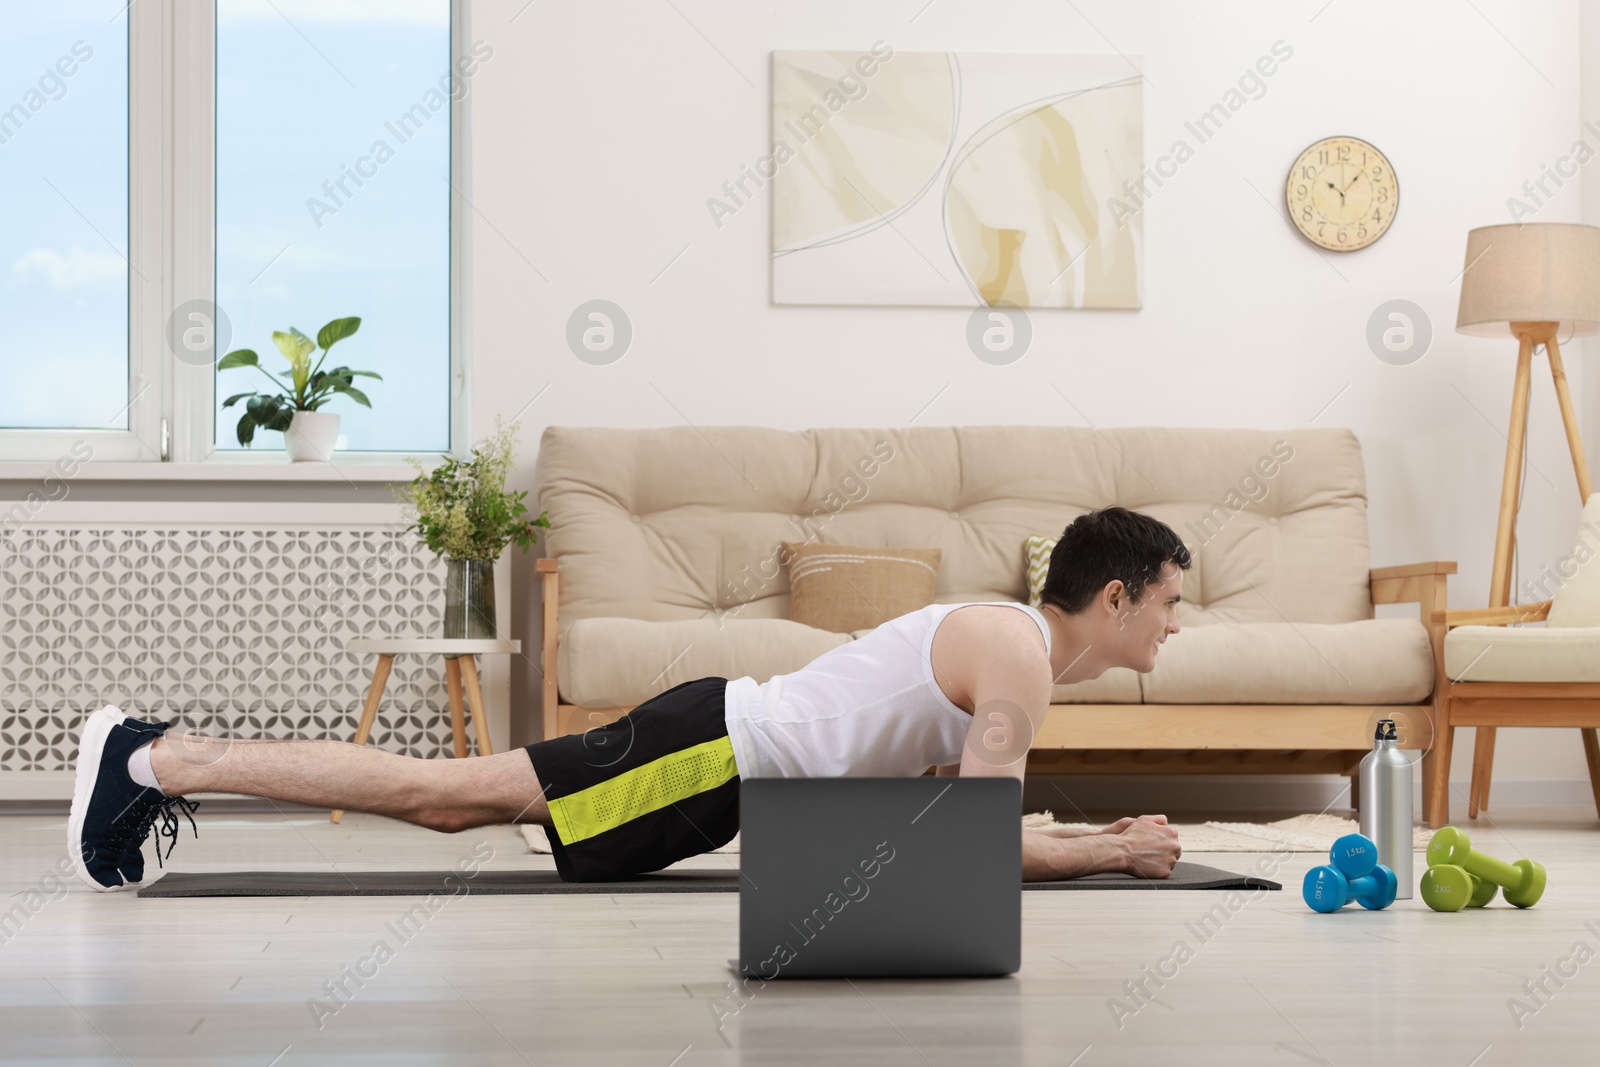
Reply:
x=1138, y=627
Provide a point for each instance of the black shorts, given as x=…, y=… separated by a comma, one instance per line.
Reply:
x=658, y=785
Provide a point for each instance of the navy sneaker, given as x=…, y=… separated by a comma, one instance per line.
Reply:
x=111, y=813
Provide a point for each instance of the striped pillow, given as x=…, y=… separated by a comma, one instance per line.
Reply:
x=844, y=588
x=1036, y=554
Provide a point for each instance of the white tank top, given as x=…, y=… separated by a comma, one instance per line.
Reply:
x=869, y=708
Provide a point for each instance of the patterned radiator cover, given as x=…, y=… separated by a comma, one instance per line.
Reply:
x=231, y=631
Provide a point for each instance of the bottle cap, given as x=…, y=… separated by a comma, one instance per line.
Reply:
x=1385, y=731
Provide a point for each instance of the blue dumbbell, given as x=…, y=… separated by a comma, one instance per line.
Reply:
x=1354, y=875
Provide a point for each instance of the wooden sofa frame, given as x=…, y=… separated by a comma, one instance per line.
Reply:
x=1181, y=738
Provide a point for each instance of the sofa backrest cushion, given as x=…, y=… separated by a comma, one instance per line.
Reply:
x=686, y=522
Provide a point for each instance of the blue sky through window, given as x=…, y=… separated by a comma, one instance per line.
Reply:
x=333, y=159
x=64, y=240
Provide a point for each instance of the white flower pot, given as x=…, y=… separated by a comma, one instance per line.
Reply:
x=311, y=436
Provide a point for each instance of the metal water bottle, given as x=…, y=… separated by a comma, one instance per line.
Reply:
x=1386, y=804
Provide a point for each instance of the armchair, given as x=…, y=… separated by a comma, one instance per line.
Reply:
x=1548, y=677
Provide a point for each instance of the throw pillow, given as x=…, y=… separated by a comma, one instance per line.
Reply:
x=1036, y=554
x=843, y=588
x=1577, y=602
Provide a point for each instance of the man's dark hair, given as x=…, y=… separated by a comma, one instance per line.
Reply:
x=1112, y=543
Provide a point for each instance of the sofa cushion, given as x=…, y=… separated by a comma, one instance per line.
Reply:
x=1373, y=661
x=1577, y=602
x=622, y=662
x=849, y=587
x=1522, y=654
x=684, y=522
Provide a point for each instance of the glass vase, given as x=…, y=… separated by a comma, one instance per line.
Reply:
x=469, y=599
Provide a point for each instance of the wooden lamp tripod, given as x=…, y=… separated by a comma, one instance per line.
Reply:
x=1535, y=279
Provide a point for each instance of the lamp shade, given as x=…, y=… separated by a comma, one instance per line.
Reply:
x=1532, y=272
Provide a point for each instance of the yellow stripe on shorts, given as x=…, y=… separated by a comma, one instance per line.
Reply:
x=651, y=787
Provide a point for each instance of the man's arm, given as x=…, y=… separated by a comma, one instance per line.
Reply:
x=1146, y=847
x=1082, y=831
x=1046, y=858
x=1009, y=680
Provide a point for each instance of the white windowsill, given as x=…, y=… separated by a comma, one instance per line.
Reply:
x=348, y=469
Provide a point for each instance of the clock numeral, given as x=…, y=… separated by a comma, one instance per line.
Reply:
x=1383, y=195
x=1342, y=238
x=1309, y=173
x=1299, y=190
x=1344, y=151
x=1320, y=226
x=1377, y=216
x=1361, y=230
x=1377, y=172
x=1305, y=212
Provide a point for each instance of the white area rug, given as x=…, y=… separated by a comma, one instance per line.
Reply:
x=1303, y=833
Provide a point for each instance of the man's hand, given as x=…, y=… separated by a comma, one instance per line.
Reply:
x=1150, y=847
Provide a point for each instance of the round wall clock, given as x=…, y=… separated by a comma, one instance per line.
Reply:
x=1342, y=193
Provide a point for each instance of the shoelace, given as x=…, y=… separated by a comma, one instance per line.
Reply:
x=139, y=827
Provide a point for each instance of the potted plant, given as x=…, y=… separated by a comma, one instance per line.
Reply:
x=464, y=513
x=309, y=433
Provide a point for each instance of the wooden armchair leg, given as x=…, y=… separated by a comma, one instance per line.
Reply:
x=1591, y=752
x=1482, y=771
x=1436, y=773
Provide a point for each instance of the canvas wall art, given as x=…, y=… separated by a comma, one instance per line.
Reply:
x=947, y=179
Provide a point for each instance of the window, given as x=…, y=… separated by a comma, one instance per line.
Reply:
x=204, y=174
x=64, y=246
x=333, y=199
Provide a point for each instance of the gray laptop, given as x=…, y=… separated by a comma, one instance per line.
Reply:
x=880, y=876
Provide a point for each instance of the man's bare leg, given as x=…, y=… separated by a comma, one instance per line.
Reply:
x=443, y=794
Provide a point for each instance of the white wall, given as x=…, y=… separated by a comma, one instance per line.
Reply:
x=601, y=128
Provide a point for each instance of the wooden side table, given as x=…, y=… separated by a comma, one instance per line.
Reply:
x=459, y=666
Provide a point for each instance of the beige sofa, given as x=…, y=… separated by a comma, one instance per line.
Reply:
x=663, y=565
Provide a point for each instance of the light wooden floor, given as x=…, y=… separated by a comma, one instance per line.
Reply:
x=626, y=980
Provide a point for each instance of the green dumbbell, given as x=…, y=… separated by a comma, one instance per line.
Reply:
x=1522, y=882
x=1446, y=887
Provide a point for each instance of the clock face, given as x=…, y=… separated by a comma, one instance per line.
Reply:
x=1342, y=193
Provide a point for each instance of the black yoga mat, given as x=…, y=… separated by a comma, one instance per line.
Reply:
x=421, y=883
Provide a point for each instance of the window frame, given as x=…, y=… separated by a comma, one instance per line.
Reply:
x=171, y=243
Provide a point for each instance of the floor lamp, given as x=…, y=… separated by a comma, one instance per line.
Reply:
x=1535, y=281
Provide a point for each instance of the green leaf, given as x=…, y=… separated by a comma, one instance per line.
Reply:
x=355, y=394
x=235, y=398
x=246, y=429
x=296, y=348
x=337, y=330
x=294, y=345
x=367, y=374
x=239, y=357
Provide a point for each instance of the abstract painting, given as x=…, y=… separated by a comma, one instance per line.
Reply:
x=933, y=178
